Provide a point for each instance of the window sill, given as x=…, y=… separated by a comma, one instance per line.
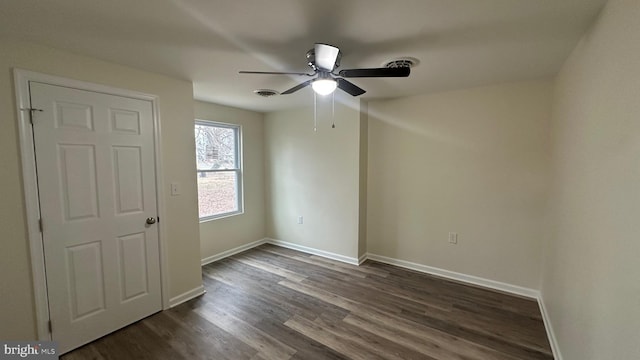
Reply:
x=221, y=216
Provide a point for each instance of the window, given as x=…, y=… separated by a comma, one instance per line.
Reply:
x=219, y=169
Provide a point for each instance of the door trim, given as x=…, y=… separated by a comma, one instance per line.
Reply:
x=31, y=196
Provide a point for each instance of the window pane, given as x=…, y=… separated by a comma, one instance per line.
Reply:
x=217, y=193
x=215, y=147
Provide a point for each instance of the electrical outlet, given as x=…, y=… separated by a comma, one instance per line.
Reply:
x=453, y=238
x=300, y=219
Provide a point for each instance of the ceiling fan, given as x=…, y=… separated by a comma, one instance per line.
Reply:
x=324, y=59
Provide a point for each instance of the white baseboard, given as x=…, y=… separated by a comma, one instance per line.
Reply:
x=186, y=296
x=469, y=279
x=553, y=342
x=308, y=250
x=230, y=252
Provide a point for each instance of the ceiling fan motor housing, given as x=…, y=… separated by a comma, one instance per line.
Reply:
x=311, y=59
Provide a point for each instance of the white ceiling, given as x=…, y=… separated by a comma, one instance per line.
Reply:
x=460, y=43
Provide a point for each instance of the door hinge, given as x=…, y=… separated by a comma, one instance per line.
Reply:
x=40, y=225
x=50, y=327
x=31, y=111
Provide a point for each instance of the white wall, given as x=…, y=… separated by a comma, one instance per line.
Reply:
x=474, y=162
x=591, y=281
x=17, y=319
x=219, y=235
x=314, y=175
x=363, y=172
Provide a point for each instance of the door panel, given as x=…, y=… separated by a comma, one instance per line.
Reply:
x=96, y=180
x=125, y=122
x=86, y=279
x=77, y=164
x=133, y=266
x=127, y=162
x=73, y=116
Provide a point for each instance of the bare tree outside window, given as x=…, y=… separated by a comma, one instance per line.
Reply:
x=218, y=167
x=215, y=147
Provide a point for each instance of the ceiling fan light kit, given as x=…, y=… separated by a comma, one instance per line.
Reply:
x=324, y=86
x=323, y=59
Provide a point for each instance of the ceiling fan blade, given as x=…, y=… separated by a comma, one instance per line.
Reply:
x=273, y=73
x=326, y=56
x=376, y=72
x=349, y=87
x=297, y=87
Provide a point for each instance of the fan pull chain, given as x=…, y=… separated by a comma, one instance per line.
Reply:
x=315, y=112
x=333, y=110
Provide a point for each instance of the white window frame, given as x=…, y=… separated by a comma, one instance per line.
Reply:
x=238, y=170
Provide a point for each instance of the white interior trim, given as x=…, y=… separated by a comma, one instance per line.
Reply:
x=31, y=196
x=230, y=252
x=27, y=156
x=309, y=250
x=160, y=201
x=186, y=296
x=469, y=279
x=284, y=244
x=553, y=342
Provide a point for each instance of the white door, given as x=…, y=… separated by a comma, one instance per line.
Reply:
x=96, y=180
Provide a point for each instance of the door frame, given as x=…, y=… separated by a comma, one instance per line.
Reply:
x=31, y=196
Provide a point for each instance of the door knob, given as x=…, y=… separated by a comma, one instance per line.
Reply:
x=151, y=220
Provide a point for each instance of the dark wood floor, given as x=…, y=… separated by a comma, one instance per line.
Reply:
x=276, y=303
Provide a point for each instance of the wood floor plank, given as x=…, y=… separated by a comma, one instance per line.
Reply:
x=289, y=263
x=86, y=352
x=324, y=295
x=429, y=342
x=317, y=332
x=373, y=316
x=363, y=269
x=307, y=348
x=272, y=303
x=209, y=335
x=355, y=290
x=454, y=290
x=393, y=294
x=186, y=340
x=294, y=302
x=313, y=261
x=134, y=339
x=384, y=347
x=484, y=337
x=265, y=344
x=248, y=260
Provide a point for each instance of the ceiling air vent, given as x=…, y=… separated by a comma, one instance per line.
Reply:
x=401, y=62
x=266, y=92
